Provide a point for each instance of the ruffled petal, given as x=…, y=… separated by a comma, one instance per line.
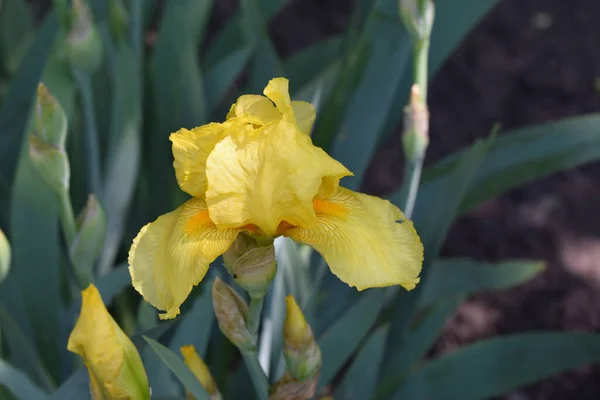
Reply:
x=305, y=115
x=254, y=105
x=172, y=254
x=366, y=241
x=190, y=150
x=267, y=177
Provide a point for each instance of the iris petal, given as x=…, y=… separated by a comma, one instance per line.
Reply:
x=362, y=242
x=266, y=177
x=172, y=254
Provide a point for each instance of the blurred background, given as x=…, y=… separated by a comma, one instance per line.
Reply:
x=526, y=62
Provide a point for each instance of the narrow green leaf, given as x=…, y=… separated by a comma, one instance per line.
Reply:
x=178, y=89
x=221, y=77
x=16, y=105
x=493, y=367
x=18, y=384
x=197, y=323
x=23, y=353
x=418, y=338
x=16, y=31
x=231, y=36
x=361, y=379
x=124, y=152
x=77, y=386
x=36, y=251
x=306, y=64
x=451, y=277
x=432, y=225
x=340, y=341
x=181, y=371
x=113, y=283
x=371, y=101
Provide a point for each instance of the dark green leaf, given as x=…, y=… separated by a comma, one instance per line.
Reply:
x=221, y=77
x=361, y=379
x=306, y=64
x=35, y=243
x=113, y=283
x=16, y=31
x=197, y=323
x=451, y=277
x=17, y=103
x=19, y=384
x=124, y=152
x=77, y=386
x=181, y=371
x=493, y=367
x=23, y=353
x=340, y=341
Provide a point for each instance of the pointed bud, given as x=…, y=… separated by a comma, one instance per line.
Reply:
x=118, y=19
x=252, y=266
x=50, y=163
x=289, y=387
x=232, y=313
x=91, y=228
x=195, y=363
x=417, y=16
x=84, y=45
x=302, y=355
x=113, y=362
x=50, y=121
x=415, y=137
x=4, y=256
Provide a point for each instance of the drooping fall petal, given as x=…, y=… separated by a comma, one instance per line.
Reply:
x=113, y=363
x=366, y=241
x=172, y=254
x=266, y=177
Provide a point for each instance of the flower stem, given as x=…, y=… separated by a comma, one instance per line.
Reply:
x=254, y=314
x=91, y=134
x=259, y=379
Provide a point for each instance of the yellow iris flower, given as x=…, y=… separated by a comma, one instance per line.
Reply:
x=113, y=362
x=258, y=172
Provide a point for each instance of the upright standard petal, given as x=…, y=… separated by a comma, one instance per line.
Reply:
x=114, y=365
x=366, y=241
x=269, y=176
x=192, y=147
x=172, y=254
x=255, y=105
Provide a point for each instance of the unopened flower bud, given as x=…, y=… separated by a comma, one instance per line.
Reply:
x=232, y=313
x=91, y=228
x=4, y=256
x=415, y=137
x=113, y=362
x=84, y=45
x=50, y=162
x=50, y=121
x=417, y=16
x=195, y=363
x=289, y=387
x=302, y=355
x=252, y=266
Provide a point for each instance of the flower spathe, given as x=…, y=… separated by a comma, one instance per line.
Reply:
x=258, y=172
x=113, y=362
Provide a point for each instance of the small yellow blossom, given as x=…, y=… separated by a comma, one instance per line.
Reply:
x=195, y=363
x=258, y=172
x=114, y=364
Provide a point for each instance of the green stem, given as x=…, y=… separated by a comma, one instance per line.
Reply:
x=413, y=170
x=254, y=314
x=91, y=135
x=259, y=379
x=421, y=66
x=67, y=217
